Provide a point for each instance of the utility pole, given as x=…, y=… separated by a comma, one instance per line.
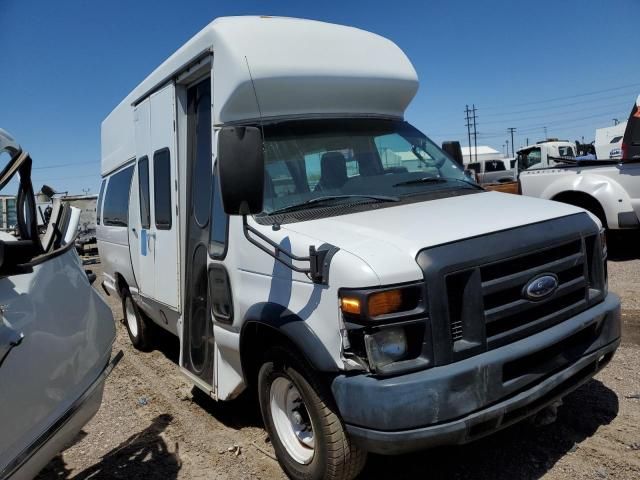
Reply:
x=475, y=133
x=527, y=141
x=616, y=121
x=507, y=142
x=511, y=130
x=545, y=133
x=468, y=125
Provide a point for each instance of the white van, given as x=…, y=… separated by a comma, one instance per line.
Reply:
x=253, y=203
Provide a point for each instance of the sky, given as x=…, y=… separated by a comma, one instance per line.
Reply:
x=568, y=65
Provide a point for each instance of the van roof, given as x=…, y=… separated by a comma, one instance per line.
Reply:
x=299, y=68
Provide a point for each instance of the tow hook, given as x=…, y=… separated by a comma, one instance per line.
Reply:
x=547, y=415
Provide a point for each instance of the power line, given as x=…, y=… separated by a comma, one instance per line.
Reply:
x=578, y=95
x=60, y=165
x=557, y=114
x=552, y=107
x=96, y=175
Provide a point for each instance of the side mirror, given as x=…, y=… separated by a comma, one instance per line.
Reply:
x=241, y=170
x=454, y=150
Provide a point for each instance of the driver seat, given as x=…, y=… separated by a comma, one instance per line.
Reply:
x=333, y=171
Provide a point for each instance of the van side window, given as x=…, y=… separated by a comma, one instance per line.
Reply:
x=219, y=223
x=162, y=188
x=199, y=111
x=116, y=199
x=100, y=199
x=143, y=190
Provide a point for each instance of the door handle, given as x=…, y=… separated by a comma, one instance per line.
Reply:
x=9, y=338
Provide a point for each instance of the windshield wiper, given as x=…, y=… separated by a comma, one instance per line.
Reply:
x=330, y=198
x=417, y=181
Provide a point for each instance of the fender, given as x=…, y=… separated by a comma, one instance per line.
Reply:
x=609, y=193
x=294, y=328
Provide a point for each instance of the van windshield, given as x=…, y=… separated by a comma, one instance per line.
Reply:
x=348, y=160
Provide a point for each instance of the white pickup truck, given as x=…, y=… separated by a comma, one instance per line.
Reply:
x=610, y=189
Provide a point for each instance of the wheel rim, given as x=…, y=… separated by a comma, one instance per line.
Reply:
x=291, y=420
x=130, y=314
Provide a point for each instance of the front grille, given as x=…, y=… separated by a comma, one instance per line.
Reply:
x=508, y=314
x=495, y=290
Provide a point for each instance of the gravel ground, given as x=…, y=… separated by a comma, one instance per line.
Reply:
x=153, y=425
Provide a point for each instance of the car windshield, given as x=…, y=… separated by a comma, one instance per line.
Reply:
x=311, y=162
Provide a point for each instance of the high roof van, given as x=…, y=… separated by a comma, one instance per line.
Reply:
x=265, y=199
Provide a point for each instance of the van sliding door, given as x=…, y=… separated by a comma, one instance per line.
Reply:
x=164, y=230
x=197, y=334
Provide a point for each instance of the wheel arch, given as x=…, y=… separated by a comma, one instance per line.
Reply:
x=583, y=200
x=267, y=325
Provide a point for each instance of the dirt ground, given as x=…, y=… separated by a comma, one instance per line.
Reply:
x=153, y=425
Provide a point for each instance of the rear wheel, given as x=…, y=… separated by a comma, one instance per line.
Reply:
x=138, y=326
x=307, y=434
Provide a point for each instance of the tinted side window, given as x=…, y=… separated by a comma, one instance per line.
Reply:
x=116, y=200
x=566, y=152
x=220, y=222
x=143, y=190
x=494, y=166
x=162, y=188
x=100, y=198
x=200, y=113
x=474, y=166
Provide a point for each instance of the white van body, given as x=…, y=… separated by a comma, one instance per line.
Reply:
x=229, y=294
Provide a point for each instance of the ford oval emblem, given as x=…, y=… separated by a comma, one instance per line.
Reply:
x=541, y=287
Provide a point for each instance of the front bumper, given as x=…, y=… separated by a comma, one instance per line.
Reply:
x=59, y=435
x=465, y=400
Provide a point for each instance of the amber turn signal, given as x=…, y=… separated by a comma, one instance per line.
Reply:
x=386, y=302
x=350, y=305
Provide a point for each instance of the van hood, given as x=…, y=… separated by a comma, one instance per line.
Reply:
x=389, y=239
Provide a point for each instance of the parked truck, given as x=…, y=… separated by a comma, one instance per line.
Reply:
x=247, y=209
x=610, y=188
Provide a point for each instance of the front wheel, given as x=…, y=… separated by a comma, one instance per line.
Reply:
x=307, y=434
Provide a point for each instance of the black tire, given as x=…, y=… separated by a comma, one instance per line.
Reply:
x=335, y=457
x=141, y=336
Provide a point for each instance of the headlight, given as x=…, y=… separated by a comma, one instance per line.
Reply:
x=382, y=304
x=388, y=328
x=385, y=347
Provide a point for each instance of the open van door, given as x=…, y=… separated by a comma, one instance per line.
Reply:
x=197, y=347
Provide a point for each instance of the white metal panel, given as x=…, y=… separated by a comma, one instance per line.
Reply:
x=162, y=111
x=141, y=243
x=68, y=332
x=300, y=67
x=391, y=251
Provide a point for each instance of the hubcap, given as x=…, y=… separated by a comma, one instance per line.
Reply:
x=132, y=323
x=291, y=420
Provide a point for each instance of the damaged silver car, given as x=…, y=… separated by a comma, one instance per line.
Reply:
x=56, y=332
